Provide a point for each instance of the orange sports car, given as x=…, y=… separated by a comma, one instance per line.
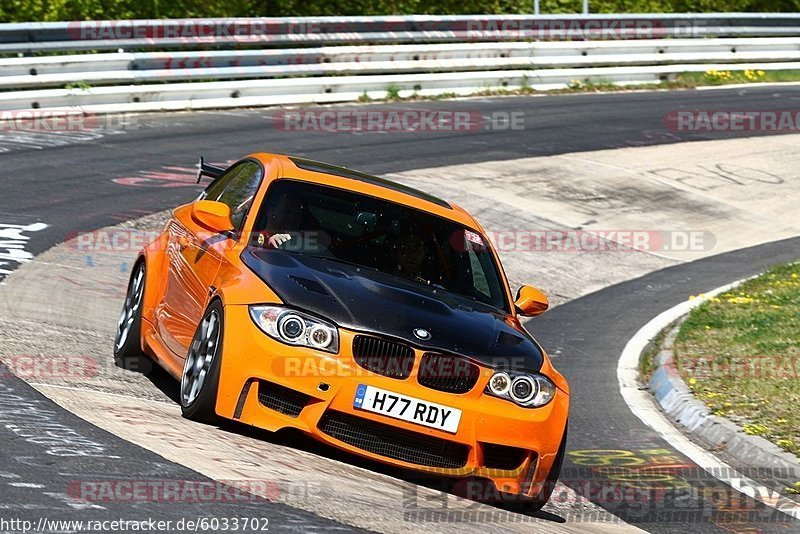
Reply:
x=370, y=315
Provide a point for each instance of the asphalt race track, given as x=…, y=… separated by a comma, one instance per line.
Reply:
x=69, y=180
x=605, y=322
x=78, y=182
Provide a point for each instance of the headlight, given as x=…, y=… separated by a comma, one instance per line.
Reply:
x=296, y=328
x=500, y=383
x=524, y=389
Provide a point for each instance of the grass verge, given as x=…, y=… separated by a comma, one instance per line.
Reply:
x=740, y=353
x=725, y=77
x=648, y=363
x=686, y=80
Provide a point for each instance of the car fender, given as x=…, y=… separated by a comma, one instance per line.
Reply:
x=236, y=284
x=558, y=379
x=154, y=256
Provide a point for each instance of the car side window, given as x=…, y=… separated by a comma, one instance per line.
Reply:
x=479, y=281
x=217, y=187
x=236, y=188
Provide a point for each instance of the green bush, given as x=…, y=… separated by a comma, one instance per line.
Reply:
x=53, y=10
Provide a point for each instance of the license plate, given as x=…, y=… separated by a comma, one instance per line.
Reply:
x=407, y=408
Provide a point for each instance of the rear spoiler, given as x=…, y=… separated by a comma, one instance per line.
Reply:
x=206, y=169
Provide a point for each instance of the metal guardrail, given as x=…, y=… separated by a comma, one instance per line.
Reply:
x=115, y=68
x=285, y=91
x=314, y=31
x=242, y=76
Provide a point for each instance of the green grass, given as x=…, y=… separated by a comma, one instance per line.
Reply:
x=393, y=92
x=740, y=354
x=686, y=80
x=83, y=86
x=725, y=77
x=648, y=363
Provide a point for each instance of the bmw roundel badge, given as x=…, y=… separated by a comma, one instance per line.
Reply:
x=421, y=333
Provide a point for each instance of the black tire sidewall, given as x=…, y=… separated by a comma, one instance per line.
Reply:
x=552, y=476
x=203, y=409
x=130, y=355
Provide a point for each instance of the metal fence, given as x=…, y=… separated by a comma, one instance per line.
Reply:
x=106, y=66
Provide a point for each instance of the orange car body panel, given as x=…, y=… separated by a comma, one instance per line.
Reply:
x=185, y=273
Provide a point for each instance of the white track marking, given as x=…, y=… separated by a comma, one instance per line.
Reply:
x=26, y=485
x=13, y=242
x=644, y=407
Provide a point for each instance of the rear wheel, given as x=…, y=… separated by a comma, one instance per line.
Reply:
x=200, y=379
x=128, y=339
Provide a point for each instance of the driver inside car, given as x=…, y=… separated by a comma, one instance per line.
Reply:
x=291, y=224
x=408, y=254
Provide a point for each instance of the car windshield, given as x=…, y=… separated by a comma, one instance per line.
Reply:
x=370, y=232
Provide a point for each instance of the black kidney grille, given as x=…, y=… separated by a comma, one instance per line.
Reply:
x=396, y=443
x=383, y=357
x=447, y=373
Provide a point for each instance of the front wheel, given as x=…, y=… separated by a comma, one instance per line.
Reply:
x=200, y=378
x=552, y=477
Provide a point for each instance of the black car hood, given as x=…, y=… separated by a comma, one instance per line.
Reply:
x=364, y=300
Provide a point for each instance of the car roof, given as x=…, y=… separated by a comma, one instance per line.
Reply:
x=344, y=172
x=343, y=177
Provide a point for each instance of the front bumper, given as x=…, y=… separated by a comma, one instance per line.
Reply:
x=271, y=385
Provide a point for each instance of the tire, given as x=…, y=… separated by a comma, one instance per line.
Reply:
x=200, y=377
x=128, y=353
x=552, y=477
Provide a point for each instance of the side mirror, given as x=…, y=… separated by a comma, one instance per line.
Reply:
x=531, y=301
x=212, y=215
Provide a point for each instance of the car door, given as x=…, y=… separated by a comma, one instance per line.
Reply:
x=195, y=254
